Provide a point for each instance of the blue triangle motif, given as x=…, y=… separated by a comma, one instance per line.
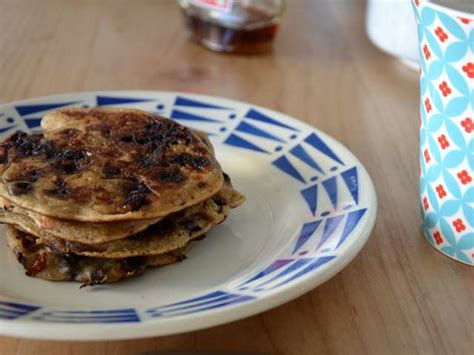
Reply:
x=258, y=116
x=353, y=219
x=278, y=264
x=298, y=264
x=10, y=310
x=310, y=194
x=20, y=306
x=113, y=100
x=239, y=142
x=351, y=179
x=330, y=185
x=301, y=154
x=183, y=101
x=24, y=110
x=32, y=122
x=318, y=143
x=248, y=128
x=284, y=164
x=181, y=115
x=306, y=232
x=314, y=265
x=329, y=228
x=4, y=129
x=207, y=297
x=227, y=300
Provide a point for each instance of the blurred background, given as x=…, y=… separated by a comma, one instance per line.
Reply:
x=321, y=56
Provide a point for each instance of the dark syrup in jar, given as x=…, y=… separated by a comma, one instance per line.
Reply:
x=254, y=31
x=220, y=38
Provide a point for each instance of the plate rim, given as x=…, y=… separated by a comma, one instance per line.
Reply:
x=27, y=328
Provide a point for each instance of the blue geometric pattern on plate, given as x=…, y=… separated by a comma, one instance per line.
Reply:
x=11, y=310
x=187, y=102
x=317, y=172
x=114, y=100
x=33, y=122
x=282, y=272
x=128, y=315
x=25, y=110
x=199, y=304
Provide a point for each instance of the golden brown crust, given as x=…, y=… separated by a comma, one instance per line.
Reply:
x=103, y=194
x=107, y=164
x=40, y=261
x=172, y=232
x=84, y=232
x=71, y=236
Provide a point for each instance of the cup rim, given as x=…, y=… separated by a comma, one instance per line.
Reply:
x=458, y=13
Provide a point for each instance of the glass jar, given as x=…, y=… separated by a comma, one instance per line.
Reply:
x=236, y=26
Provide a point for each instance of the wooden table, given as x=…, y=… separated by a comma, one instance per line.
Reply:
x=399, y=296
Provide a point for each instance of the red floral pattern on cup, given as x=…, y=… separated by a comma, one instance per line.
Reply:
x=426, y=205
x=427, y=52
x=468, y=124
x=427, y=156
x=446, y=133
x=441, y=191
x=443, y=142
x=459, y=225
x=464, y=177
x=445, y=89
x=469, y=69
x=428, y=105
x=441, y=34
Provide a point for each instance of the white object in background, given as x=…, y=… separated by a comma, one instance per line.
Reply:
x=391, y=26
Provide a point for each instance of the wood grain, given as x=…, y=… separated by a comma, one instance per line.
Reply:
x=399, y=296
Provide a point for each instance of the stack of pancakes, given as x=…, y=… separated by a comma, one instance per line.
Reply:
x=102, y=194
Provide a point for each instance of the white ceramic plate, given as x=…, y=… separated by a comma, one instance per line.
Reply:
x=310, y=208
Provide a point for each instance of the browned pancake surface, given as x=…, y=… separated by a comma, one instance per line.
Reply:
x=84, y=232
x=40, y=261
x=97, y=238
x=171, y=233
x=103, y=165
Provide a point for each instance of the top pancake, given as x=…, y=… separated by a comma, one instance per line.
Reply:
x=103, y=165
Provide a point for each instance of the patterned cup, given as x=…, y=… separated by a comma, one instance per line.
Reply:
x=446, y=41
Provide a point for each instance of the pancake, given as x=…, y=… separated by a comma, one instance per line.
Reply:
x=70, y=236
x=88, y=233
x=101, y=165
x=40, y=261
x=173, y=232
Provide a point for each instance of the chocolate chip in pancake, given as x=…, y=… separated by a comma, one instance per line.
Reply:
x=84, y=232
x=107, y=164
x=40, y=261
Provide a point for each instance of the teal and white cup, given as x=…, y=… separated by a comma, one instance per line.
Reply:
x=446, y=48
